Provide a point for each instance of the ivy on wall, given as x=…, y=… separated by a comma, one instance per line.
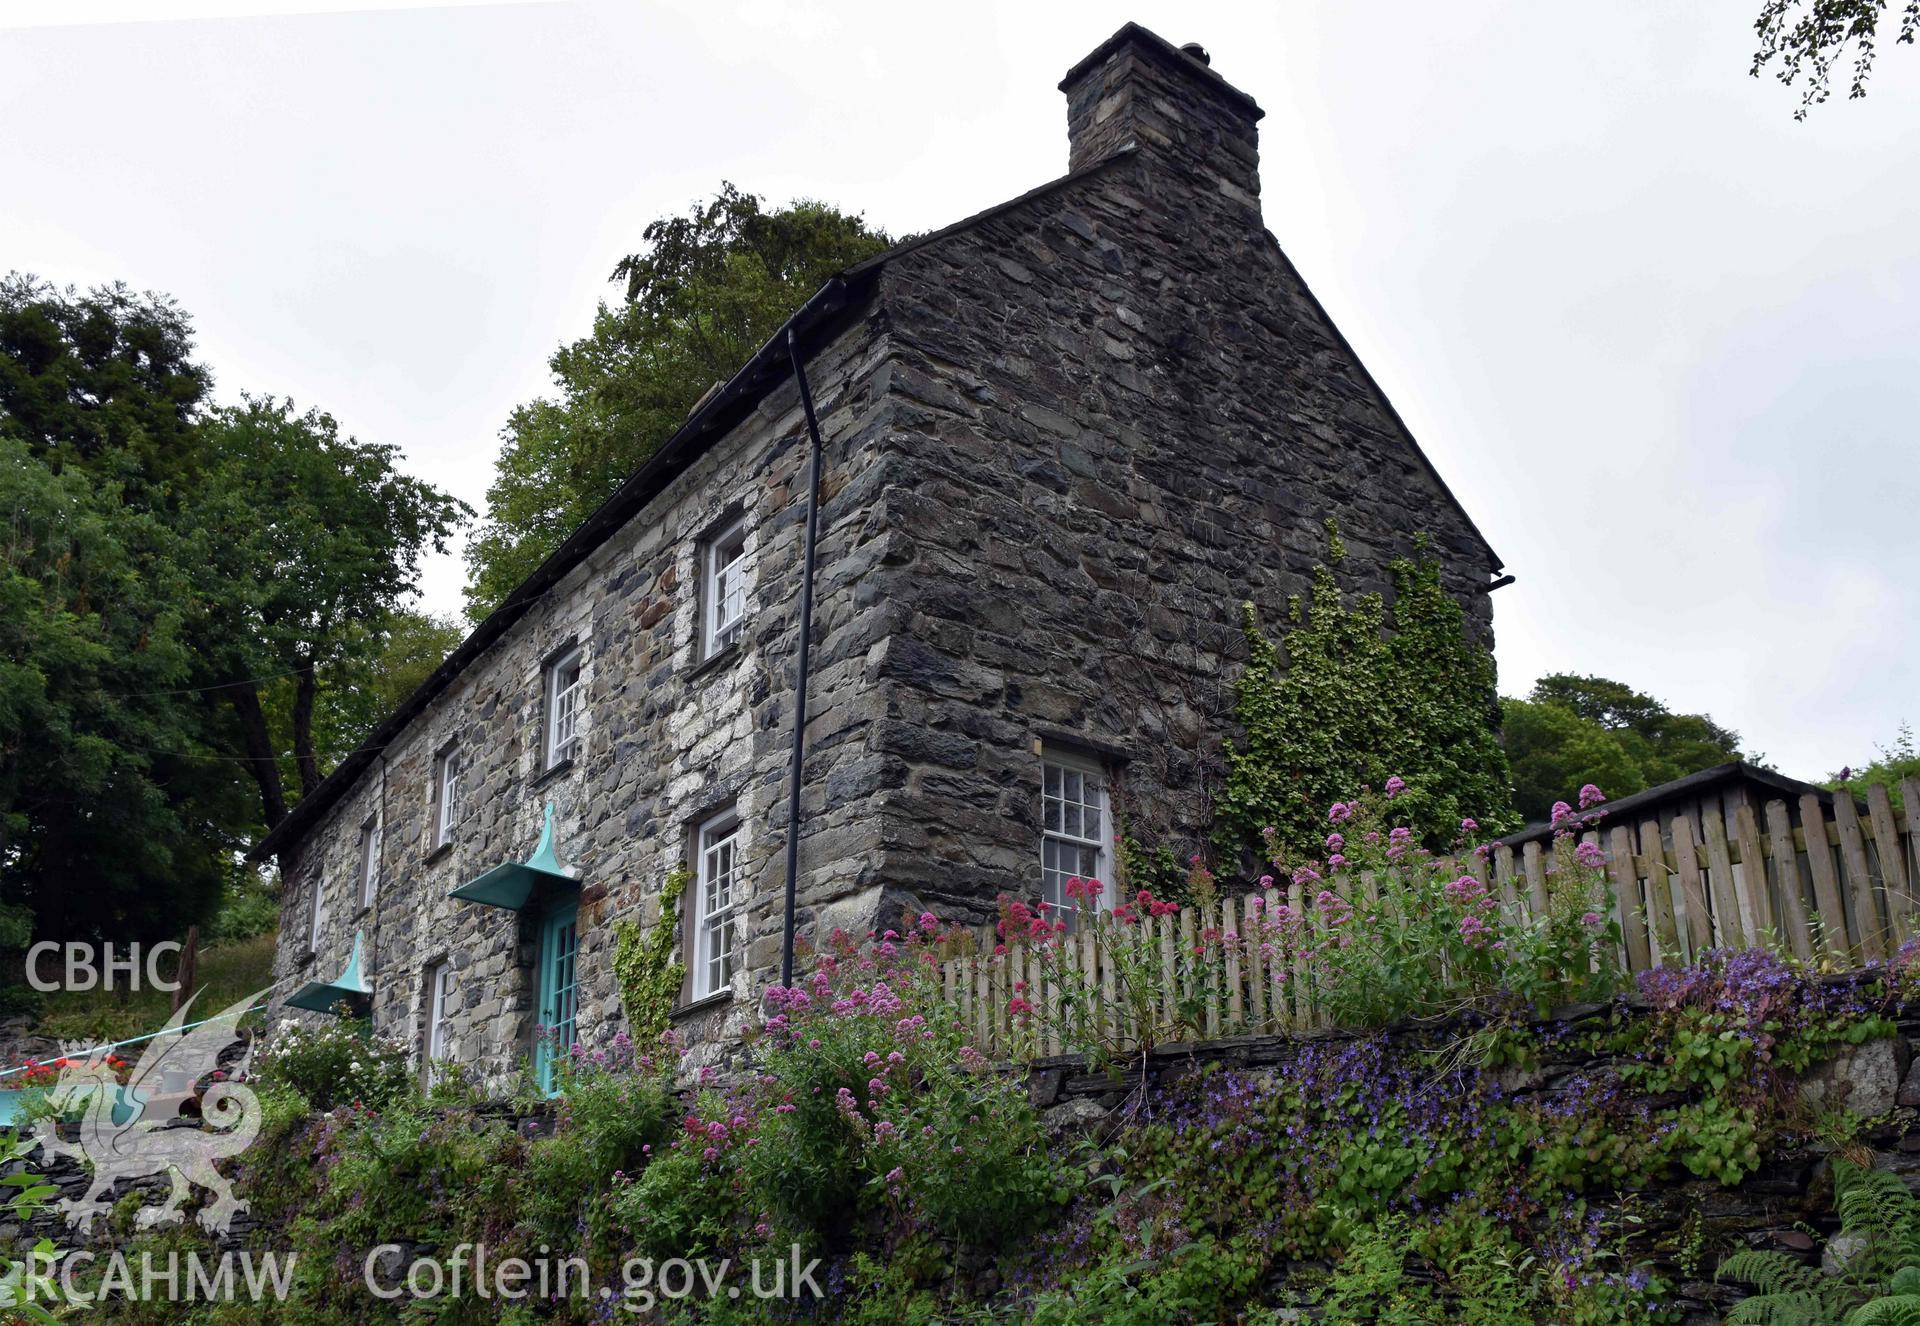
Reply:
x=647, y=966
x=1355, y=694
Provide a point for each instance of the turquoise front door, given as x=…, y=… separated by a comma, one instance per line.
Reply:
x=558, y=994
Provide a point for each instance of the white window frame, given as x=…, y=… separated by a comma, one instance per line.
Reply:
x=433, y=1047
x=723, y=586
x=1068, y=765
x=316, y=913
x=556, y=748
x=369, y=871
x=446, y=808
x=715, y=841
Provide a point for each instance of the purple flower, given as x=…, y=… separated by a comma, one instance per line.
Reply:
x=1590, y=796
x=1340, y=812
x=1395, y=786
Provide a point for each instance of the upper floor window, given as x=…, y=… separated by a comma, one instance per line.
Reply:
x=723, y=587
x=566, y=701
x=447, y=773
x=369, y=866
x=717, y=896
x=316, y=913
x=1076, y=836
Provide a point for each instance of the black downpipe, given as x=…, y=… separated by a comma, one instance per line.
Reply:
x=805, y=648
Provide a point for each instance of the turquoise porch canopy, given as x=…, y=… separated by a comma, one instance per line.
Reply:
x=514, y=884
x=349, y=987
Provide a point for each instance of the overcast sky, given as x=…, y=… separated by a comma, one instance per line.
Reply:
x=1660, y=338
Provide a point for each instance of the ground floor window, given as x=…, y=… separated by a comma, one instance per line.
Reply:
x=558, y=993
x=717, y=895
x=1076, y=833
x=439, y=993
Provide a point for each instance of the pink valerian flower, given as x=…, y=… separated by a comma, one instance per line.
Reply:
x=929, y=922
x=1590, y=796
x=1463, y=889
x=1395, y=786
x=1590, y=855
x=1469, y=825
x=1561, y=812
x=1590, y=919
x=1336, y=860
x=1335, y=842
x=1473, y=930
x=1340, y=812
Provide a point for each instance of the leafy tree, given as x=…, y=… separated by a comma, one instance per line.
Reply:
x=707, y=291
x=166, y=566
x=1812, y=36
x=1572, y=730
x=1355, y=695
x=368, y=681
x=102, y=380
x=116, y=804
x=316, y=538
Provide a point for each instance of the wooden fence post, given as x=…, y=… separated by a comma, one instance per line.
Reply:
x=1853, y=853
x=1653, y=859
x=1893, y=866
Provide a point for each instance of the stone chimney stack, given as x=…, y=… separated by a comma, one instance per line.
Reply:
x=1138, y=88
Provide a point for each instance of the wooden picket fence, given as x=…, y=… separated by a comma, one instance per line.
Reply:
x=1822, y=882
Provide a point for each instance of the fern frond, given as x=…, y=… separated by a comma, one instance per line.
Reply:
x=1797, y=1309
x=1880, y=1206
x=1893, y=1310
x=1773, y=1273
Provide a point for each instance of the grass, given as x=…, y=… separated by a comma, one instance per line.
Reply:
x=228, y=973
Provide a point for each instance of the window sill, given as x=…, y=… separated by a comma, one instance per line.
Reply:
x=442, y=850
x=717, y=999
x=552, y=772
x=717, y=660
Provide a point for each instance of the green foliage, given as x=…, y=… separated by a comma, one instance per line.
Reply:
x=337, y=1062
x=708, y=289
x=314, y=538
x=25, y=1196
x=1878, y=1282
x=105, y=777
x=647, y=967
x=248, y=909
x=1891, y=765
x=1354, y=695
x=1810, y=37
x=179, y=584
x=384, y=665
x=1574, y=730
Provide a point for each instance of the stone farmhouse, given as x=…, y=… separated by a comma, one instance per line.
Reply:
x=1062, y=442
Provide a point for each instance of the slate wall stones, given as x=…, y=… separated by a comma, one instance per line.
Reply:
x=1065, y=440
